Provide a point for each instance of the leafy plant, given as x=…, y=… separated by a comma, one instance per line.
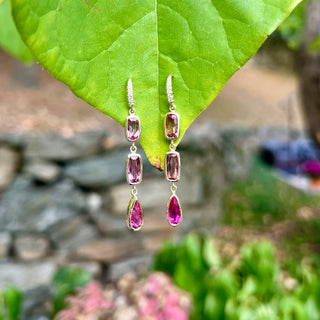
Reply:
x=10, y=39
x=10, y=304
x=251, y=287
x=94, y=47
x=64, y=283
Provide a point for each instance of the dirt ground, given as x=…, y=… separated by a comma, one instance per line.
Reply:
x=253, y=97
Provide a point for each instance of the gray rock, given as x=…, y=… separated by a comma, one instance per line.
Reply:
x=109, y=250
x=42, y=170
x=9, y=162
x=140, y=264
x=240, y=146
x=278, y=133
x=94, y=201
x=104, y=170
x=200, y=137
x=27, y=207
x=153, y=242
x=155, y=222
x=36, y=304
x=17, y=141
x=31, y=247
x=72, y=233
x=58, y=148
x=109, y=224
x=5, y=244
x=26, y=276
x=154, y=193
x=99, y=172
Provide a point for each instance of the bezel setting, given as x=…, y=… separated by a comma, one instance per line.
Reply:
x=133, y=118
x=129, y=157
x=131, y=206
x=172, y=136
x=179, y=207
x=172, y=154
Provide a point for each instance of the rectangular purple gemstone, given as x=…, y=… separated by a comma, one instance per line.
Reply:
x=172, y=126
x=133, y=128
x=134, y=169
x=172, y=166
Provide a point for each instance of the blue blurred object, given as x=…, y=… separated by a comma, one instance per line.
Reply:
x=290, y=156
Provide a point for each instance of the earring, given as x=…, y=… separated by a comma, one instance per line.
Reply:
x=133, y=164
x=172, y=159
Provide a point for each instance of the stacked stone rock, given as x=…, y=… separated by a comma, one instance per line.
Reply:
x=63, y=201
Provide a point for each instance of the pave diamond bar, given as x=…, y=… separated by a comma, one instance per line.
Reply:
x=133, y=130
x=130, y=93
x=172, y=166
x=172, y=126
x=134, y=169
x=169, y=90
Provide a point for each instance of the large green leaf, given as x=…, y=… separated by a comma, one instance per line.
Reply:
x=10, y=39
x=94, y=46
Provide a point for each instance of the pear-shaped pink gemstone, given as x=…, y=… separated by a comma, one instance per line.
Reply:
x=174, y=211
x=136, y=218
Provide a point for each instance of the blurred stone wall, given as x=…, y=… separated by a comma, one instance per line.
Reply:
x=63, y=201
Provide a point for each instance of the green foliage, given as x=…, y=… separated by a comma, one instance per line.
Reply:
x=95, y=46
x=263, y=199
x=10, y=304
x=248, y=288
x=10, y=39
x=188, y=263
x=314, y=46
x=64, y=283
x=292, y=28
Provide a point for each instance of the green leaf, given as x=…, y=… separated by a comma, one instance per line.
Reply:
x=210, y=253
x=64, y=283
x=12, y=300
x=314, y=46
x=95, y=46
x=293, y=27
x=10, y=39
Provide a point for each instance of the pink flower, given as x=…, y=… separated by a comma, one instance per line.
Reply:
x=89, y=300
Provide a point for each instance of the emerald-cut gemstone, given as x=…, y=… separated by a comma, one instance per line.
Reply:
x=134, y=168
x=172, y=166
x=172, y=126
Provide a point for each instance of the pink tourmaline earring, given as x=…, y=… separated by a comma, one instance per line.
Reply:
x=133, y=164
x=172, y=160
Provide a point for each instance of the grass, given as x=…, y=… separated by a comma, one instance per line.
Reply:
x=267, y=207
x=263, y=199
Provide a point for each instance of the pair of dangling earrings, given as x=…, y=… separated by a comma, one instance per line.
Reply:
x=134, y=161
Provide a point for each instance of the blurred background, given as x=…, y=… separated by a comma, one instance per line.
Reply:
x=249, y=244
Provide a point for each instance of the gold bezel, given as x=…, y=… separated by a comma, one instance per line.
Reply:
x=129, y=213
x=126, y=128
x=178, y=131
x=166, y=167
